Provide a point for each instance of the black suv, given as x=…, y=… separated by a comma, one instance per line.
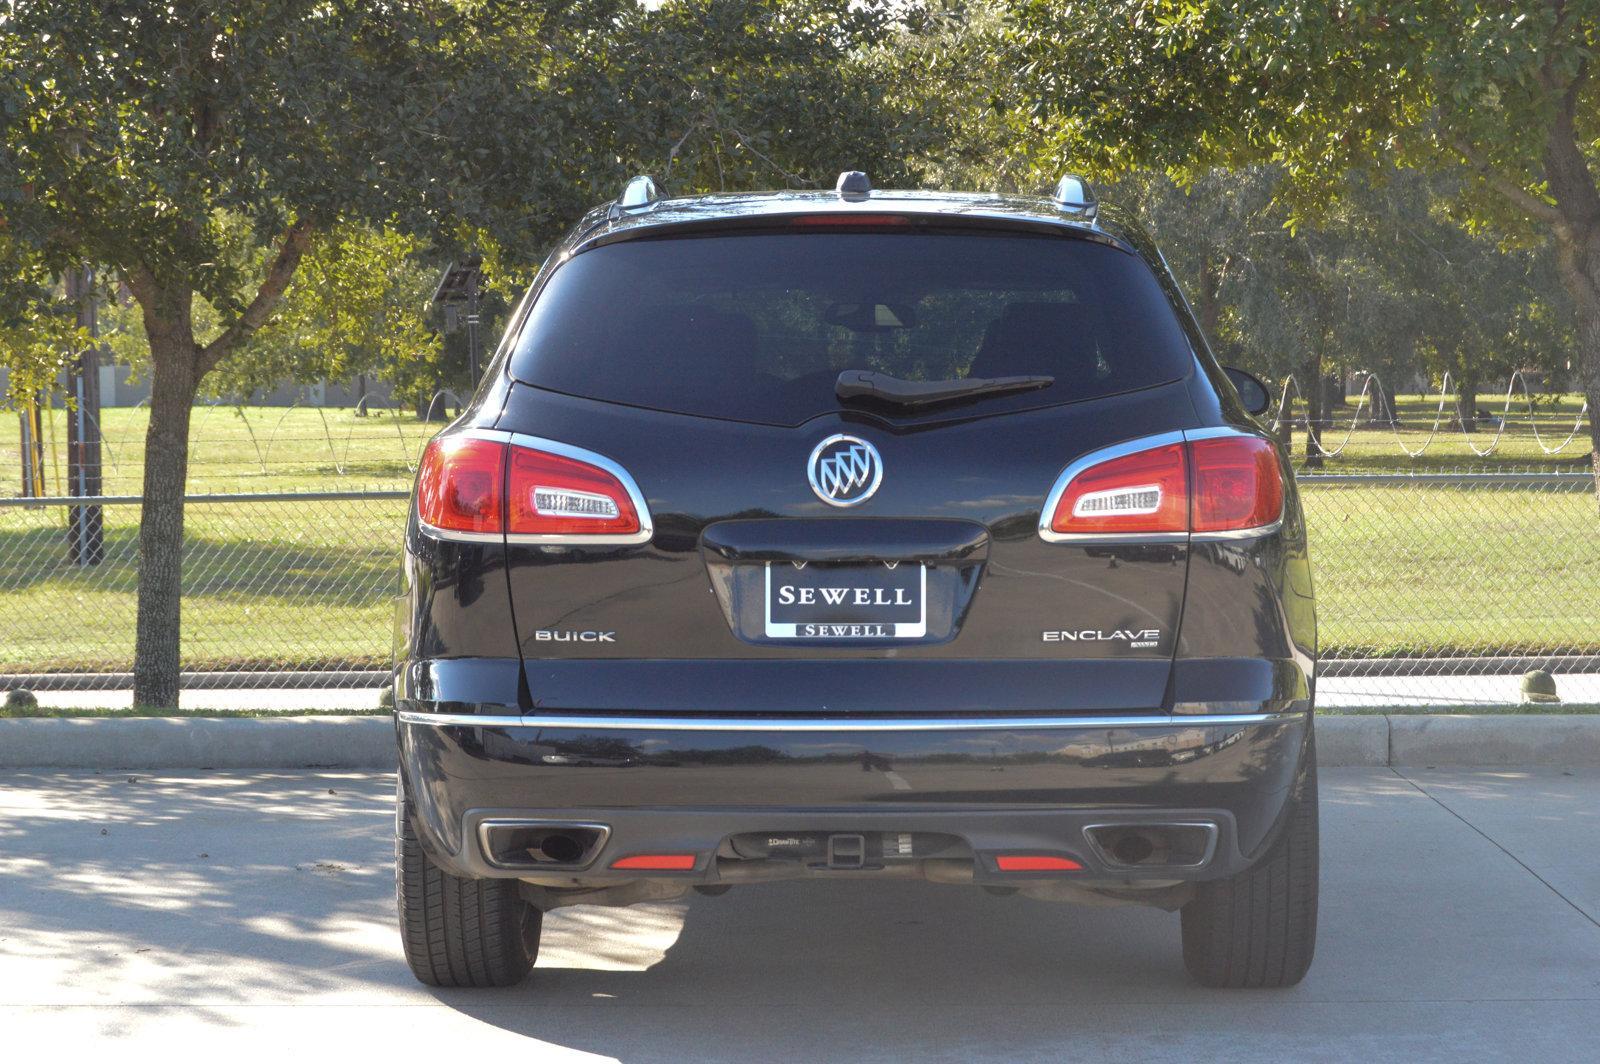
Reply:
x=856, y=534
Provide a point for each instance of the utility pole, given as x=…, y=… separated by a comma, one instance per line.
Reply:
x=85, y=524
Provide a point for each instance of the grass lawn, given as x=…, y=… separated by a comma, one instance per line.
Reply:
x=1444, y=570
x=298, y=584
x=233, y=449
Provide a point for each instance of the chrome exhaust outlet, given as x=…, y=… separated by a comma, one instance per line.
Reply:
x=540, y=844
x=1154, y=844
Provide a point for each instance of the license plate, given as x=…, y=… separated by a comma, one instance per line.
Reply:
x=883, y=600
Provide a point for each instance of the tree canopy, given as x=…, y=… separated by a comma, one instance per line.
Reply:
x=1501, y=98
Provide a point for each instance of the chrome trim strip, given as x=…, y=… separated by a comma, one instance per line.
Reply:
x=1236, y=533
x=1094, y=458
x=1117, y=450
x=813, y=724
x=565, y=450
x=1214, y=431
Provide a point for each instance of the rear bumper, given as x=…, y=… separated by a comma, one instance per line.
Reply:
x=999, y=785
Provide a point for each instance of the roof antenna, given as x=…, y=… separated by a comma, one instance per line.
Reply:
x=638, y=193
x=1074, y=194
x=853, y=186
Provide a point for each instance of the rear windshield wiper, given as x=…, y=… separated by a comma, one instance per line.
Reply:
x=861, y=384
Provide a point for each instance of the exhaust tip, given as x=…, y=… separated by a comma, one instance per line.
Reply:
x=540, y=843
x=1188, y=844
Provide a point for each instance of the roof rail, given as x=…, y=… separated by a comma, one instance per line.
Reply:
x=639, y=192
x=1074, y=194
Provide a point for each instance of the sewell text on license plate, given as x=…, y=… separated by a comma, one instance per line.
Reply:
x=875, y=600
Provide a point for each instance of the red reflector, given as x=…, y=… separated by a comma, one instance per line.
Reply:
x=1147, y=491
x=1236, y=483
x=657, y=862
x=459, y=483
x=878, y=220
x=1035, y=863
x=551, y=494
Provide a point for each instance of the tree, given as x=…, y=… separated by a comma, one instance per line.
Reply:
x=137, y=132
x=136, y=135
x=357, y=306
x=1502, y=96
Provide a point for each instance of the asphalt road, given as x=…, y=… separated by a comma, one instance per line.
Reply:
x=250, y=915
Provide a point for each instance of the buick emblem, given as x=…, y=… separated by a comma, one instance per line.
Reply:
x=844, y=470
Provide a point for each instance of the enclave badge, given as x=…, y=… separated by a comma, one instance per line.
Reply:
x=844, y=470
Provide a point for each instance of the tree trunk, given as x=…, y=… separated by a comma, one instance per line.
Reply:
x=1578, y=256
x=177, y=366
x=1467, y=402
x=1208, y=301
x=1589, y=367
x=173, y=384
x=1315, y=408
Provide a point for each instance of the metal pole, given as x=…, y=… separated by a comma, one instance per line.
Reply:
x=85, y=524
x=472, y=331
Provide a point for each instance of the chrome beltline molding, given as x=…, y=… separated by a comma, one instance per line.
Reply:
x=813, y=724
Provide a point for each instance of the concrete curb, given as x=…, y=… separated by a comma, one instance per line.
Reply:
x=368, y=742
x=1521, y=740
x=1362, y=740
x=197, y=742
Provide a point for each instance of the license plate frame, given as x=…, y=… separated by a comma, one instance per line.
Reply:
x=844, y=629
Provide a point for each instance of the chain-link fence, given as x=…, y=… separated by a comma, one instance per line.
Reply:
x=1430, y=587
x=279, y=589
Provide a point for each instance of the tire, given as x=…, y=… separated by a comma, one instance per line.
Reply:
x=1258, y=929
x=459, y=931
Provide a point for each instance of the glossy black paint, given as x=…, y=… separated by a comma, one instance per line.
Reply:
x=457, y=775
x=963, y=490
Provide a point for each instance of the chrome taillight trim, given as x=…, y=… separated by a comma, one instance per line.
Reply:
x=538, y=443
x=1134, y=446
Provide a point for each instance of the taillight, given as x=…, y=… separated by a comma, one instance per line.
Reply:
x=553, y=495
x=1236, y=483
x=1143, y=492
x=491, y=484
x=460, y=485
x=1216, y=483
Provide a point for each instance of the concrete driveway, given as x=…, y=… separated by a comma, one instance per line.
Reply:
x=251, y=915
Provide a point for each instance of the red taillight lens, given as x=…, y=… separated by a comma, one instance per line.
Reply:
x=1026, y=862
x=469, y=486
x=1214, y=484
x=1236, y=483
x=459, y=484
x=550, y=494
x=1147, y=491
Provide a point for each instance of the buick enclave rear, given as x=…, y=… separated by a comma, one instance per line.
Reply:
x=856, y=535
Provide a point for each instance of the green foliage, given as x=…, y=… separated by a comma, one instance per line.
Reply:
x=1321, y=89
x=39, y=331
x=357, y=305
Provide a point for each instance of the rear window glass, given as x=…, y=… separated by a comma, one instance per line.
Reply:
x=758, y=327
